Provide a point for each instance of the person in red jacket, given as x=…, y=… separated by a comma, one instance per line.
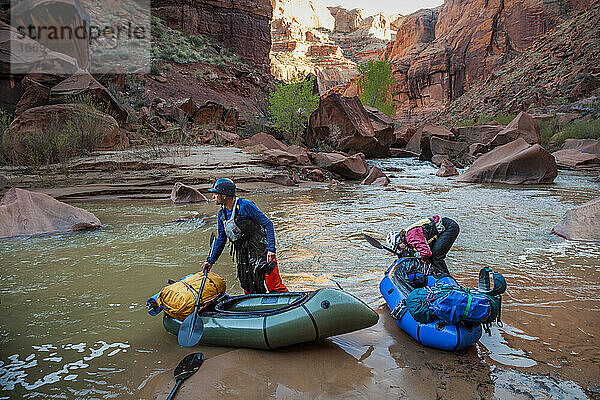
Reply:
x=429, y=239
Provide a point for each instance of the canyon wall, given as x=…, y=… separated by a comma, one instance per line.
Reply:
x=439, y=53
x=241, y=24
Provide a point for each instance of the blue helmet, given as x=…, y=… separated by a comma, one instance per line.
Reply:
x=223, y=186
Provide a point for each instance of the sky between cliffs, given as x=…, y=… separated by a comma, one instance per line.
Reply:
x=372, y=7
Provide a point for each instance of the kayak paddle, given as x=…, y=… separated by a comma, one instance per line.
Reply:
x=376, y=243
x=191, y=328
x=185, y=369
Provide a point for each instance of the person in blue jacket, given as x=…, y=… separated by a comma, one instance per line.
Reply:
x=252, y=237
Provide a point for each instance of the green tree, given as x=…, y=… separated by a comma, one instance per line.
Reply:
x=290, y=105
x=375, y=84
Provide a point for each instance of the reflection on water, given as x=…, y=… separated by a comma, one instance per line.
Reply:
x=86, y=291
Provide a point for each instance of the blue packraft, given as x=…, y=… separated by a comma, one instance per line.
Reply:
x=453, y=304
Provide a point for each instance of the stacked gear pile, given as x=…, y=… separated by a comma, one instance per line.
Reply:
x=451, y=304
x=179, y=299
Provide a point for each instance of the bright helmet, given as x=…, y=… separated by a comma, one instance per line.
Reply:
x=393, y=238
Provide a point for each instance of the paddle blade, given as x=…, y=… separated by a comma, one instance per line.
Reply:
x=190, y=331
x=373, y=242
x=188, y=365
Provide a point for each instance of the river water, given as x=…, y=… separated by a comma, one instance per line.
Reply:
x=73, y=322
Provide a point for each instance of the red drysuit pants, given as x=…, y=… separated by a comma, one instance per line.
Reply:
x=274, y=282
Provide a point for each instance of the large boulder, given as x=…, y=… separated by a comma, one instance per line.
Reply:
x=579, y=154
x=403, y=136
x=36, y=94
x=478, y=133
x=38, y=59
x=83, y=84
x=447, y=169
x=262, y=139
x=374, y=175
x=383, y=127
x=517, y=162
x=343, y=124
x=419, y=143
x=77, y=124
x=581, y=223
x=280, y=179
x=225, y=137
x=188, y=106
x=217, y=115
x=186, y=194
x=522, y=126
x=29, y=213
x=353, y=167
x=301, y=154
x=477, y=148
x=454, y=150
x=279, y=157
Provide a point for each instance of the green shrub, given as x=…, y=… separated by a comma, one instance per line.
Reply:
x=154, y=70
x=170, y=45
x=484, y=118
x=581, y=130
x=547, y=130
x=290, y=105
x=62, y=139
x=466, y=122
x=375, y=84
x=5, y=120
x=553, y=134
x=504, y=119
x=254, y=126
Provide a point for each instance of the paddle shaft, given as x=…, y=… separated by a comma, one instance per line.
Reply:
x=190, y=331
x=377, y=244
x=177, y=384
x=199, y=298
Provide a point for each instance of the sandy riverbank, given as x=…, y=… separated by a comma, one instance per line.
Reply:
x=380, y=362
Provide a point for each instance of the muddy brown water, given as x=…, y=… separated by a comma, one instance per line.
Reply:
x=73, y=322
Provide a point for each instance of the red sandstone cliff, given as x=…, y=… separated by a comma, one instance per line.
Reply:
x=301, y=44
x=329, y=42
x=438, y=54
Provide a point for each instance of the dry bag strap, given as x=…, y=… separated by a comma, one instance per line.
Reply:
x=468, y=308
x=399, y=311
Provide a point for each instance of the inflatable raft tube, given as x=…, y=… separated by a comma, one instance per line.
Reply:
x=269, y=321
x=449, y=337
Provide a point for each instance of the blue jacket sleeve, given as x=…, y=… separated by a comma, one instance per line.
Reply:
x=221, y=240
x=260, y=218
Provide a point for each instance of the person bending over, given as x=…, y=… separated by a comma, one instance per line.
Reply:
x=429, y=239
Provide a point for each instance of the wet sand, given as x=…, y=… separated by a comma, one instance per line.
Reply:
x=380, y=362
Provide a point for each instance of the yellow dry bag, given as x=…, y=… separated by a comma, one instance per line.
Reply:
x=179, y=299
